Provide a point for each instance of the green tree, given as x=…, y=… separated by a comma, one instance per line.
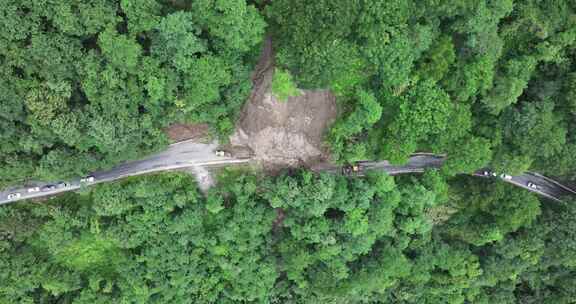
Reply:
x=283, y=86
x=367, y=111
x=423, y=112
x=90, y=84
x=437, y=60
x=121, y=51
x=490, y=210
x=467, y=156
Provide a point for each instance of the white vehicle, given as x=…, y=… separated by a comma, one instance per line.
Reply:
x=532, y=186
x=33, y=189
x=14, y=195
x=489, y=173
x=87, y=179
x=222, y=153
x=505, y=176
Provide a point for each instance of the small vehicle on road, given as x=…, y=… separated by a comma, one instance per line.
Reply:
x=62, y=185
x=87, y=179
x=14, y=195
x=33, y=189
x=351, y=169
x=505, y=176
x=532, y=185
x=222, y=153
x=48, y=188
x=489, y=173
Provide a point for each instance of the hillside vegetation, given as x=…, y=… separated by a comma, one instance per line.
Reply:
x=85, y=85
x=487, y=82
x=297, y=238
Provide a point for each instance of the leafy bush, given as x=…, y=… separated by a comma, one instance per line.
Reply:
x=283, y=86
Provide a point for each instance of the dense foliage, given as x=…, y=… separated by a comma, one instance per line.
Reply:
x=297, y=238
x=283, y=86
x=486, y=82
x=87, y=84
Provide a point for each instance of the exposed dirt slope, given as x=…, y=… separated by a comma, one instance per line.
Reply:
x=179, y=132
x=283, y=133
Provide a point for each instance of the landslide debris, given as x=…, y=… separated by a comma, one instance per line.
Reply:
x=289, y=133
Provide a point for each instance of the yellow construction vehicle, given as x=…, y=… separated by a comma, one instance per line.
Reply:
x=351, y=169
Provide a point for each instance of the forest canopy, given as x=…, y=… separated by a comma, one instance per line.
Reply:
x=295, y=238
x=87, y=84
x=486, y=82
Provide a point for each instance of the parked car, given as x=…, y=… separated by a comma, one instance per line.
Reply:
x=33, y=189
x=48, y=188
x=62, y=185
x=505, y=176
x=222, y=153
x=14, y=195
x=532, y=185
x=87, y=179
x=488, y=173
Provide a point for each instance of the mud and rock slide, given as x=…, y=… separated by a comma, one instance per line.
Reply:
x=283, y=133
x=180, y=132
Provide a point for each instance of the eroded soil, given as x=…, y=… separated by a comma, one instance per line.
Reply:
x=281, y=134
x=180, y=132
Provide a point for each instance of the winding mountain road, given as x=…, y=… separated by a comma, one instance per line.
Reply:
x=180, y=155
x=190, y=154
x=419, y=162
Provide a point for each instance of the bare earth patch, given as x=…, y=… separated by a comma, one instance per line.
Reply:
x=289, y=133
x=180, y=132
x=203, y=177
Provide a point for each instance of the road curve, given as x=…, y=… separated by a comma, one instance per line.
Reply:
x=189, y=154
x=419, y=162
x=180, y=155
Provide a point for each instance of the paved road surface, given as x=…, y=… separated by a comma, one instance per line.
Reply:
x=180, y=155
x=190, y=154
x=419, y=162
